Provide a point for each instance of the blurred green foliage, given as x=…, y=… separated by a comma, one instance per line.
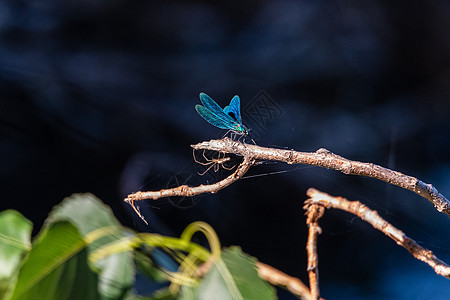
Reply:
x=83, y=252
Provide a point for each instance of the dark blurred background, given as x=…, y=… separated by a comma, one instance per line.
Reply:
x=98, y=96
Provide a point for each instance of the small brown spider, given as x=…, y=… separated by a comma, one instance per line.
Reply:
x=214, y=163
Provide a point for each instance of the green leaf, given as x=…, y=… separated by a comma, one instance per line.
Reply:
x=15, y=233
x=56, y=267
x=233, y=276
x=95, y=221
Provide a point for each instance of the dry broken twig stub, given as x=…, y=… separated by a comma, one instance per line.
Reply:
x=314, y=213
x=374, y=219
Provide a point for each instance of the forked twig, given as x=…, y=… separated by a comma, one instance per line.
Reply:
x=321, y=158
x=374, y=219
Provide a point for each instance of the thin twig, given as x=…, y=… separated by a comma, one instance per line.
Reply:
x=313, y=213
x=272, y=275
x=374, y=219
x=327, y=159
x=188, y=191
x=276, y=277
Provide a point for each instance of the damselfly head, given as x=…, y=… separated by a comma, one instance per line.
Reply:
x=242, y=130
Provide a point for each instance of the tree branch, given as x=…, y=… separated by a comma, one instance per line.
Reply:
x=326, y=159
x=316, y=203
x=374, y=219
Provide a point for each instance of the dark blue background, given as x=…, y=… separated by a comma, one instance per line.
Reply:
x=98, y=96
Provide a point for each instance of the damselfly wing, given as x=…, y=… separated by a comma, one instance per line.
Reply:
x=227, y=118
